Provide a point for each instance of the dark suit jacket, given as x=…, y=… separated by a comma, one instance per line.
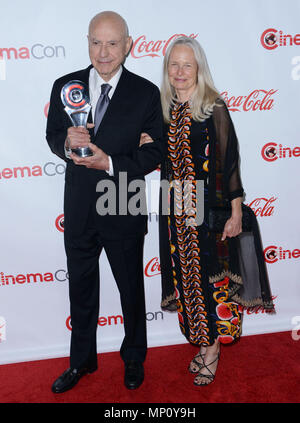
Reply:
x=134, y=108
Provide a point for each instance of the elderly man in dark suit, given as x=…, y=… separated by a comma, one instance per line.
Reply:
x=124, y=105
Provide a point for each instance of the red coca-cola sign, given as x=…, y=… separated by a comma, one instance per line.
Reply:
x=142, y=47
x=263, y=206
x=152, y=268
x=257, y=100
x=259, y=309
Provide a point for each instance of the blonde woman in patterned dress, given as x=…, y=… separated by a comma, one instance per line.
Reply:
x=207, y=277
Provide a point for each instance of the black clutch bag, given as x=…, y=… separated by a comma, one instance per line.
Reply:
x=218, y=216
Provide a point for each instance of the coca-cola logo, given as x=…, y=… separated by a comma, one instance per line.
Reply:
x=59, y=223
x=257, y=100
x=262, y=206
x=273, y=151
x=142, y=47
x=271, y=39
x=259, y=309
x=152, y=268
x=272, y=254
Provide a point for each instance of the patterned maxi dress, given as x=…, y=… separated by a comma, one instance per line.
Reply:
x=204, y=310
x=203, y=277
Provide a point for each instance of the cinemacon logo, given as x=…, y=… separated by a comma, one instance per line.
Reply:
x=271, y=39
x=273, y=151
x=59, y=223
x=48, y=169
x=142, y=47
x=37, y=51
x=273, y=254
x=118, y=319
x=60, y=275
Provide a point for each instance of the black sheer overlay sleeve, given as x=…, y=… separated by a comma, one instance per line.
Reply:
x=242, y=256
x=228, y=153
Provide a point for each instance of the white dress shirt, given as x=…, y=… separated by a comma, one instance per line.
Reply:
x=95, y=82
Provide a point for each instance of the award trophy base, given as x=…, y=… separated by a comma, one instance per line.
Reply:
x=82, y=151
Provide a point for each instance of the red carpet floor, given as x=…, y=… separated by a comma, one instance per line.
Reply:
x=256, y=369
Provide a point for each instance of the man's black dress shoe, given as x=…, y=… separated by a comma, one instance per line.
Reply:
x=134, y=374
x=69, y=379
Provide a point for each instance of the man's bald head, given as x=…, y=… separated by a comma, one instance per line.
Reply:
x=112, y=17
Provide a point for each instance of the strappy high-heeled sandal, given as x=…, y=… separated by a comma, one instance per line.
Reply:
x=195, y=366
x=210, y=376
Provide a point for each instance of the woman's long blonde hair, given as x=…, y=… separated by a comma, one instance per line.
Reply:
x=205, y=95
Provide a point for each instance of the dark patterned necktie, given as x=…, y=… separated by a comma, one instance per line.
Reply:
x=101, y=106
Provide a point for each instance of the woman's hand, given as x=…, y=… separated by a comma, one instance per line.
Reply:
x=145, y=139
x=233, y=226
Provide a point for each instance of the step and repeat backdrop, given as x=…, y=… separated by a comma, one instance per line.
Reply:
x=253, y=49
